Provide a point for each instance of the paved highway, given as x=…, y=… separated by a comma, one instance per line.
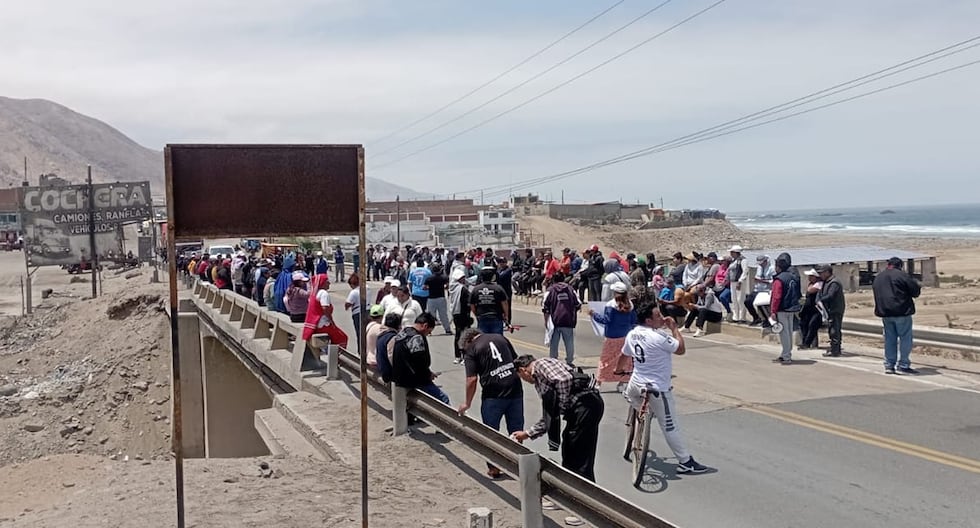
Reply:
x=818, y=443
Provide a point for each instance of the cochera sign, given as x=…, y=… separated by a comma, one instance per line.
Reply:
x=56, y=219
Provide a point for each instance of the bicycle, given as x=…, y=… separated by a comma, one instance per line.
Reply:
x=638, y=445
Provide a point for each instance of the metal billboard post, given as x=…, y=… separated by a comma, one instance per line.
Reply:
x=178, y=422
x=361, y=333
x=93, y=260
x=153, y=254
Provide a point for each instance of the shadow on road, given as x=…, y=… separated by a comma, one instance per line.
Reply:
x=659, y=472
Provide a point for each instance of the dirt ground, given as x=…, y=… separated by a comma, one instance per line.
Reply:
x=85, y=433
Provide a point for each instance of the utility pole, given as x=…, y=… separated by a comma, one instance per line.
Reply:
x=153, y=253
x=398, y=221
x=563, y=196
x=91, y=235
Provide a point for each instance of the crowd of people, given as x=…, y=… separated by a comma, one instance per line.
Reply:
x=645, y=309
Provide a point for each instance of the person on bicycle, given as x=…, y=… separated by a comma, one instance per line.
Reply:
x=651, y=344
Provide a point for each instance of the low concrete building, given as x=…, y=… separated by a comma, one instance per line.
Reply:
x=855, y=266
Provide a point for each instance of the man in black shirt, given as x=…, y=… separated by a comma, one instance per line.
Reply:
x=505, y=278
x=490, y=358
x=489, y=303
x=435, y=284
x=411, y=361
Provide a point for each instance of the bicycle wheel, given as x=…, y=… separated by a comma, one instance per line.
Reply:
x=641, y=447
x=630, y=432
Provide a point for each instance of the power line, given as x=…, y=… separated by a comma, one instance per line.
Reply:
x=554, y=89
x=800, y=101
x=529, y=58
x=655, y=150
x=527, y=81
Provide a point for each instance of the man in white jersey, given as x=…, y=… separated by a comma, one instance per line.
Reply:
x=652, y=348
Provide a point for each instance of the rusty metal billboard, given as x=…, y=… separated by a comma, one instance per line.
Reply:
x=262, y=190
x=56, y=219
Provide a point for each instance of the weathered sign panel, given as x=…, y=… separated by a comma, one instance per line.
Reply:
x=56, y=219
x=263, y=190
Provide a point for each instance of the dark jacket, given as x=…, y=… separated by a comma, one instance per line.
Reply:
x=562, y=304
x=788, y=291
x=410, y=360
x=381, y=353
x=594, y=271
x=894, y=293
x=832, y=296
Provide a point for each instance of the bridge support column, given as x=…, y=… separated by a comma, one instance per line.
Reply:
x=399, y=409
x=191, y=385
x=232, y=394
x=529, y=474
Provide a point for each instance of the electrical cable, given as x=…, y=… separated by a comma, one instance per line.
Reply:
x=529, y=58
x=525, y=82
x=800, y=101
x=553, y=89
x=655, y=150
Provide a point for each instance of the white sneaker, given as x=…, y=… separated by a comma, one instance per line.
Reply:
x=699, y=333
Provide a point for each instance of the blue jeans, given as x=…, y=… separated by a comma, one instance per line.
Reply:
x=492, y=410
x=490, y=325
x=726, y=299
x=436, y=392
x=898, y=340
x=567, y=335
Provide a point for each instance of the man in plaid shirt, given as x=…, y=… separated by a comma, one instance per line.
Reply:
x=565, y=392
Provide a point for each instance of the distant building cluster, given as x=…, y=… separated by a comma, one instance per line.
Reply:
x=645, y=216
x=459, y=223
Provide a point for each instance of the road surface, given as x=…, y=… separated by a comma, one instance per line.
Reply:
x=822, y=442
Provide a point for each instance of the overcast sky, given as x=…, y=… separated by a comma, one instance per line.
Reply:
x=353, y=71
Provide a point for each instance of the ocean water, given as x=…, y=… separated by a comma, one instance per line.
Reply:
x=953, y=221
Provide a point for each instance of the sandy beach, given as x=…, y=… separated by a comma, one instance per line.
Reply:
x=958, y=267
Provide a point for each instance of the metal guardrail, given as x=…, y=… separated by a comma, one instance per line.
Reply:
x=942, y=336
x=584, y=498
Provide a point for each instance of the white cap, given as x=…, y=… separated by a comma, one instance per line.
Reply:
x=619, y=287
x=395, y=283
x=388, y=279
x=319, y=253
x=735, y=249
x=300, y=276
x=811, y=272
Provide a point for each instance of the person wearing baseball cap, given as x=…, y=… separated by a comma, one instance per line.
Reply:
x=738, y=280
x=618, y=317
x=764, y=274
x=376, y=315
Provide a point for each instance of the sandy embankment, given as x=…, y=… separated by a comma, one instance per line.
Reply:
x=957, y=263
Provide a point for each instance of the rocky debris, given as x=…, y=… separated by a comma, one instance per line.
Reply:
x=76, y=279
x=94, y=375
x=135, y=305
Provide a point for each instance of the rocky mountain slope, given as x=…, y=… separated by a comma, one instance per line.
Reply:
x=57, y=139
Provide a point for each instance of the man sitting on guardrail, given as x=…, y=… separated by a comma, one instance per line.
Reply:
x=565, y=391
x=411, y=361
